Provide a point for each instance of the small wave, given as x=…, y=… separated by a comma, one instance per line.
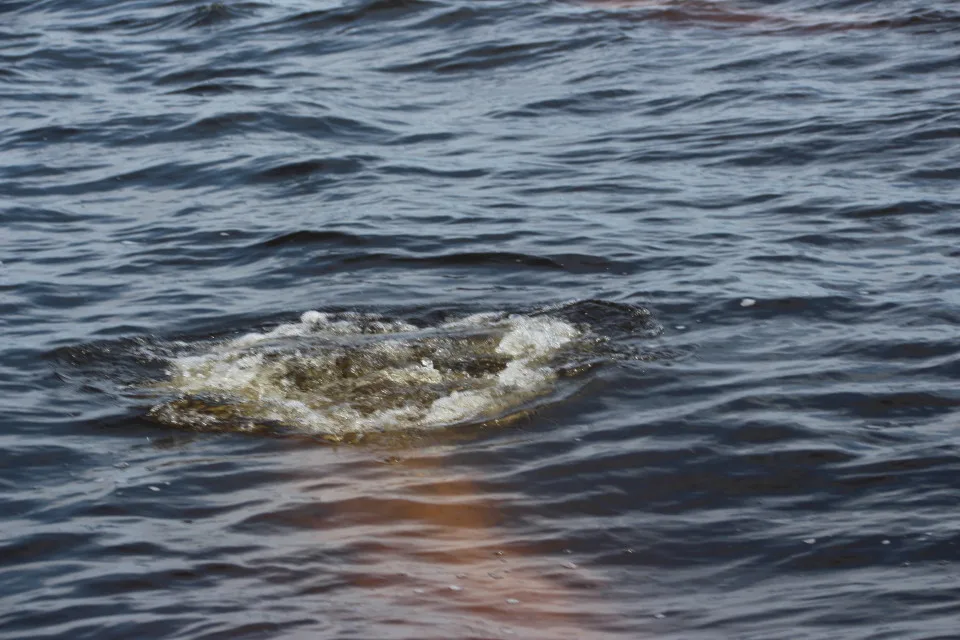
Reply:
x=895, y=209
x=491, y=55
x=571, y=263
x=214, y=126
x=211, y=14
x=374, y=10
x=298, y=238
x=207, y=74
x=215, y=88
x=305, y=168
x=206, y=16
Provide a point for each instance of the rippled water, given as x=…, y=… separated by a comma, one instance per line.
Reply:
x=445, y=319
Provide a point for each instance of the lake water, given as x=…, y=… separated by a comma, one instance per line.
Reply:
x=432, y=319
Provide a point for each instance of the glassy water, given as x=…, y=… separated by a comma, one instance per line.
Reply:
x=446, y=319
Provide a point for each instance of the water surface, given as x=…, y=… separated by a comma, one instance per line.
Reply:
x=445, y=319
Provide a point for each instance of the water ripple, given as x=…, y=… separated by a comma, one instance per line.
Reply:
x=769, y=452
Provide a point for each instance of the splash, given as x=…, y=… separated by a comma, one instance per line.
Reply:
x=351, y=373
x=343, y=376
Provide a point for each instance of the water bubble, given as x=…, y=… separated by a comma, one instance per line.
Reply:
x=512, y=601
x=569, y=565
x=810, y=541
x=747, y=302
x=154, y=488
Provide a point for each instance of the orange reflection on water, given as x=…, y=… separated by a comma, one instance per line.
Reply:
x=433, y=542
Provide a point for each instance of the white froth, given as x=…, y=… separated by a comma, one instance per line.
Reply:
x=421, y=379
x=519, y=374
x=319, y=324
x=457, y=407
x=475, y=320
x=212, y=372
x=529, y=337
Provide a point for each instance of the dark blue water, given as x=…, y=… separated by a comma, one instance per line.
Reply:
x=623, y=319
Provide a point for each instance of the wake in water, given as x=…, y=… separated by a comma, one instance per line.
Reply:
x=347, y=375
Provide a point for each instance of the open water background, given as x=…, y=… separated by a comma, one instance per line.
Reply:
x=777, y=181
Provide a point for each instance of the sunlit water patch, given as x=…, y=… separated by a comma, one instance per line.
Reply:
x=345, y=375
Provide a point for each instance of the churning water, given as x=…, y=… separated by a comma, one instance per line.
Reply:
x=479, y=319
x=348, y=375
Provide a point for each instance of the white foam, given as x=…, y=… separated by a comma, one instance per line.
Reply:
x=486, y=318
x=530, y=337
x=408, y=378
x=457, y=407
x=519, y=374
